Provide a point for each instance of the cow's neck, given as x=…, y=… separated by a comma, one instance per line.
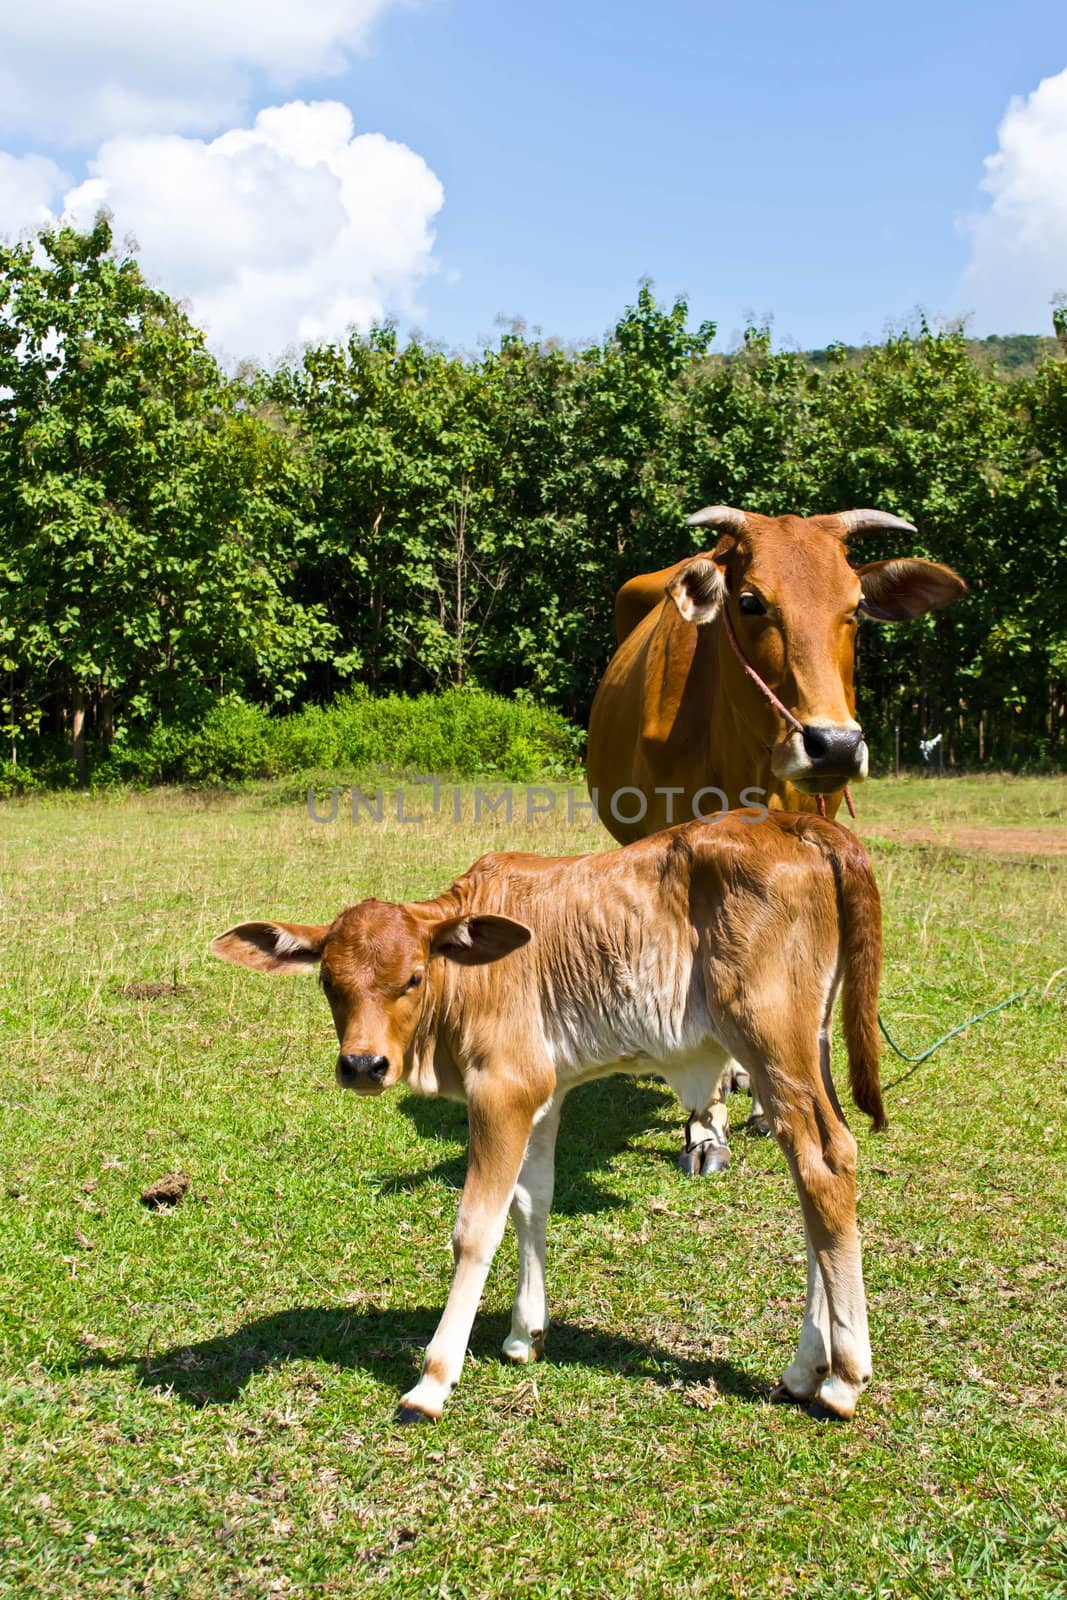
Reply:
x=750, y=750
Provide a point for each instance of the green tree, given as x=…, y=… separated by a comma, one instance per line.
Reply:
x=139, y=553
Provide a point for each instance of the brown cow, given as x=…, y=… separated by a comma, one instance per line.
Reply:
x=530, y=975
x=679, y=729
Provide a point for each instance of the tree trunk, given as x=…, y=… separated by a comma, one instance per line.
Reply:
x=81, y=770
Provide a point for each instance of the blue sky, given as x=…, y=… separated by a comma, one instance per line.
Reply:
x=810, y=162
x=817, y=164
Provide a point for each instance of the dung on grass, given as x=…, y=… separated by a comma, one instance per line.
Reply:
x=153, y=991
x=170, y=1190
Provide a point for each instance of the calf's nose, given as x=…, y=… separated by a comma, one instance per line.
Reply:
x=832, y=749
x=353, y=1067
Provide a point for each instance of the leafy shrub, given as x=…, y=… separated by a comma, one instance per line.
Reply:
x=463, y=733
x=17, y=780
x=234, y=741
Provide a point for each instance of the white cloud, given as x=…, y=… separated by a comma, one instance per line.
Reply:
x=287, y=231
x=28, y=187
x=1019, y=246
x=80, y=70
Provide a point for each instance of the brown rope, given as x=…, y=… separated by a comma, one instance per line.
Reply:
x=783, y=711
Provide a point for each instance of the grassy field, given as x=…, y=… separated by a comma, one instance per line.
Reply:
x=199, y=1403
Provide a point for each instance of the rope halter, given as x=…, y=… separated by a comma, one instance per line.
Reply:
x=769, y=694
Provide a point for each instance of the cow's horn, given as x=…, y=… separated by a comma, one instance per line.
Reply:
x=724, y=517
x=872, y=522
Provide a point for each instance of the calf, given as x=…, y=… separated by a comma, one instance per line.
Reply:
x=530, y=974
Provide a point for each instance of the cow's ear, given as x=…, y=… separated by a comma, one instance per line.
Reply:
x=272, y=946
x=698, y=589
x=475, y=940
x=894, y=591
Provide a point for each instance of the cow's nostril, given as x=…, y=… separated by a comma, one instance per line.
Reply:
x=364, y=1066
x=835, y=748
x=816, y=742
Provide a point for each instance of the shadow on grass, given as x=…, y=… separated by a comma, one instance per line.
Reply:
x=389, y=1344
x=600, y=1120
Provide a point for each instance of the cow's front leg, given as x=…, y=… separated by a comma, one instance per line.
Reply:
x=739, y=1082
x=700, y=1084
x=529, y=1213
x=501, y=1117
x=707, y=1147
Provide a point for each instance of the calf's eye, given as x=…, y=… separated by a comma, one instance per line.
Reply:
x=752, y=606
x=414, y=980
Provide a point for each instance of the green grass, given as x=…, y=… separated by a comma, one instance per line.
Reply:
x=975, y=800
x=199, y=1403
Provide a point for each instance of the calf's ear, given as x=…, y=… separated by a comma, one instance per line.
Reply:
x=698, y=590
x=475, y=940
x=894, y=591
x=272, y=946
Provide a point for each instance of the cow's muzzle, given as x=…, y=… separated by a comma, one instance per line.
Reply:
x=362, y=1072
x=821, y=758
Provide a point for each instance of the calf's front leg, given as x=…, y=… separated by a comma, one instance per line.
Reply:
x=501, y=1116
x=529, y=1213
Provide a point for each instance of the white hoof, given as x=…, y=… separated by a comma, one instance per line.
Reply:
x=801, y=1381
x=838, y=1397
x=524, y=1348
x=407, y=1412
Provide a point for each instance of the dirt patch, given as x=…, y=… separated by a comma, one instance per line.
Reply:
x=1006, y=841
x=153, y=991
x=170, y=1190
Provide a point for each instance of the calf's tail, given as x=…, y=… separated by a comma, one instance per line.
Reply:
x=861, y=962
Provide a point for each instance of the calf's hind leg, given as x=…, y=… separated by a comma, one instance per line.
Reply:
x=833, y=1359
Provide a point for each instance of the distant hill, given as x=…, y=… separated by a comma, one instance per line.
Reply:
x=1016, y=355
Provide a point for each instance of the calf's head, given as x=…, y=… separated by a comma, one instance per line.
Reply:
x=794, y=602
x=375, y=965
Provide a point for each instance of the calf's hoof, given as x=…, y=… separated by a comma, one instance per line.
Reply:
x=407, y=1414
x=782, y=1395
x=759, y=1126
x=836, y=1399
x=522, y=1351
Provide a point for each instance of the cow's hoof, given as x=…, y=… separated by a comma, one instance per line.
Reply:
x=701, y=1160
x=759, y=1126
x=407, y=1414
x=741, y=1083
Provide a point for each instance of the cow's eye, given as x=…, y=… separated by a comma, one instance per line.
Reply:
x=415, y=980
x=751, y=605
